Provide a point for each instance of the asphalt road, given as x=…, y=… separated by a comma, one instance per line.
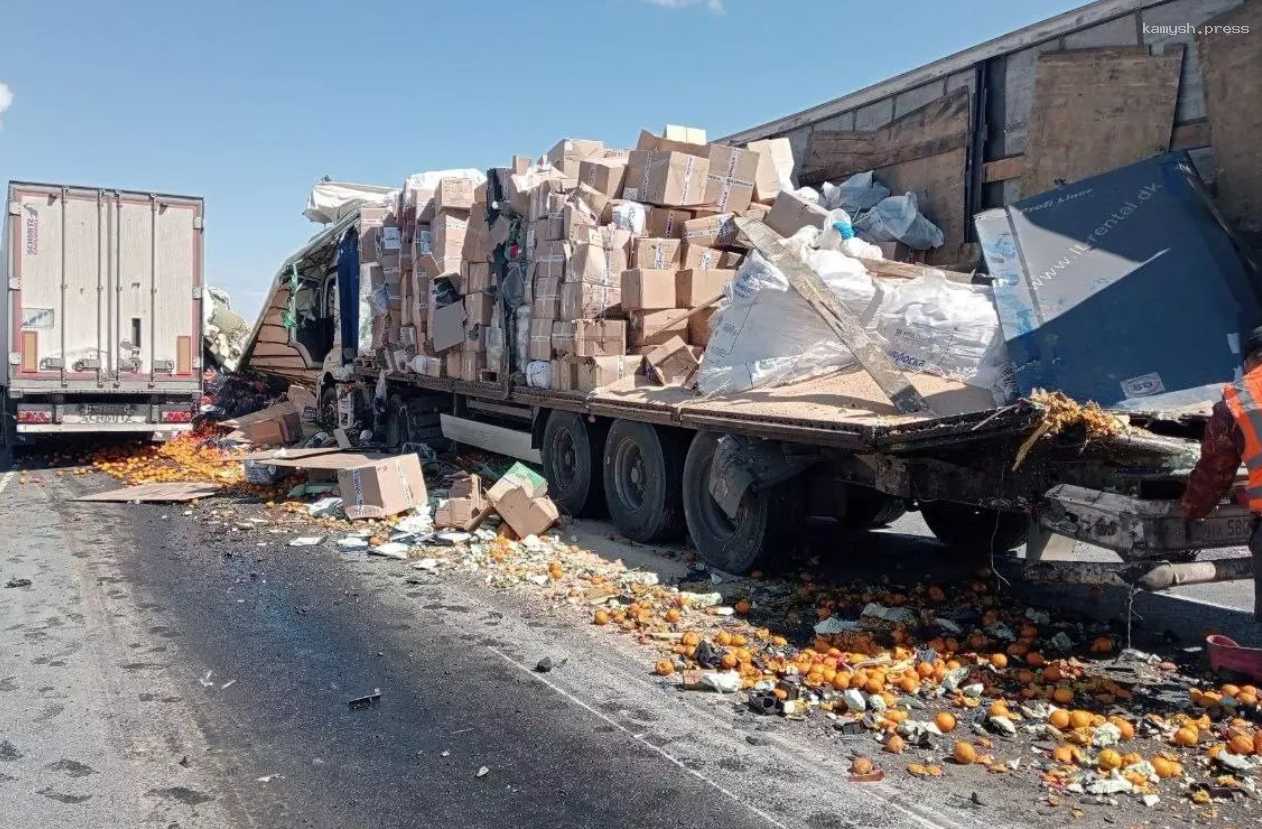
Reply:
x=157, y=671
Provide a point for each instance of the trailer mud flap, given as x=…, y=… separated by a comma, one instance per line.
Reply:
x=743, y=464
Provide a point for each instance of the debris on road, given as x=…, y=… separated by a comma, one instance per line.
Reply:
x=367, y=701
x=17, y=582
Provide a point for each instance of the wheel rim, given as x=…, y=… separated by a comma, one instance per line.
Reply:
x=630, y=475
x=565, y=460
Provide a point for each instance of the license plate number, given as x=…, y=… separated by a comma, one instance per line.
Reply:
x=1222, y=531
x=103, y=418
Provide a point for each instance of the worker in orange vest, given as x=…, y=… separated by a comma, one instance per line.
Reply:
x=1233, y=434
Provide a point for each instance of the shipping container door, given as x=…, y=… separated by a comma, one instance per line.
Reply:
x=133, y=283
x=177, y=337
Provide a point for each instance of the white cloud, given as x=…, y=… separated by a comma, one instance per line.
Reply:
x=715, y=6
x=6, y=98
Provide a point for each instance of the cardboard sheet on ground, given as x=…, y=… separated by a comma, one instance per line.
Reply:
x=156, y=493
x=332, y=460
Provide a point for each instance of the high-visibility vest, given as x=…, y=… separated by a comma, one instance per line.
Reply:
x=1244, y=399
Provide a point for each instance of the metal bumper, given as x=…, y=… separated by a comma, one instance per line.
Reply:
x=1137, y=528
x=77, y=428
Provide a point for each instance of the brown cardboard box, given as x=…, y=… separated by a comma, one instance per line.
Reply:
x=708, y=259
x=791, y=213
x=447, y=326
x=562, y=342
x=756, y=211
x=775, y=166
x=581, y=300
x=471, y=365
x=477, y=245
x=383, y=487
x=671, y=362
x=649, y=141
x=547, y=298
x=665, y=223
x=453, y=194
x=712, y=231
x=447, y=233
x=478, y=306
x=593, y=372
x=521, y=477
x=451, y=363
x=649, y=328
x=520, y=164
x=427, y=366
x=568, y=153
x=540, y=347
x=549, y=197
x=595, y=202
x=463, y=504
x=564, y=373
x=604, y=175
x=477, y=277
x=475, y=337
x=656, y=253
x=526, y=515
x=672, y=179
x=730, y=182
x=598, y=338
x=697, y=287
x=700, y=327
x=601, y=259
x=370, y=221
x=646, y=289
x=551, y=258
x=274, y=426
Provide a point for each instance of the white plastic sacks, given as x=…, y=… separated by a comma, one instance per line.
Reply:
x=539, y=374
x=857, y=193
x=767, y=335
x=898, y=219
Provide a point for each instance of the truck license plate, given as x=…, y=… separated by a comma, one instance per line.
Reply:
x=1220, y=532
x=103, y=418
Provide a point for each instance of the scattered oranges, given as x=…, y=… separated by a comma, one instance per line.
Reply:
x=600, y=617
x=964, y=753
x=945, y=721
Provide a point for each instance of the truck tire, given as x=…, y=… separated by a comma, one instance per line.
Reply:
x=643, y=480
x=327, y=416
x=573, y=449
x=397, y=427
x=868, y=509
x=766, y=523
x=977, y=528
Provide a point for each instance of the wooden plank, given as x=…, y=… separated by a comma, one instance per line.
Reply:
x=939, y=184
x=938, y=127
x=1096, y=110
x=157, y=493
x=1232, y=66
x=1002, y=169
x=845, y=325
x=511, y=442
x=890, y=269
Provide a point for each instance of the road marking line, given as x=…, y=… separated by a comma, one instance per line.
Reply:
x=4, y=481
x=638, y=737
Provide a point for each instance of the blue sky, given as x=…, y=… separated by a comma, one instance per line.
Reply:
x=248, y=103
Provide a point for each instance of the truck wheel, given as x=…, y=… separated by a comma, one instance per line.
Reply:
x=766, y=522
x=643, y=478
x=327, y=416
x=398, y=428
x=572, y=452
x=868, y=509
x=963, y=525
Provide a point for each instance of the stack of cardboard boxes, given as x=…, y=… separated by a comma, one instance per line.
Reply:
x=571, y=270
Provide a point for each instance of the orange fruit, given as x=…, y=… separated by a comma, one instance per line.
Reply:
x=895, y=744
x=924, y=669
x=945, y=721
x=742, y=606
x=1080, y=719
x=999, y=660
x=998, y=708
x=1165, y=767
x=1059, y=719
x=723, y=638
x=1109, y=759
x=1230, y=690
x=1065, y=755
x=673, y=616
x=1034, y=659
x=600, y=617
x=1240, y=744
x=861, y=765
x=964, y=753
x=691, y=638
x=841, y=681
x=1124, y=726
x=1131, y=758
x=1063, y=694
x=1187, y=736
x=664, y=667
x=728, y=661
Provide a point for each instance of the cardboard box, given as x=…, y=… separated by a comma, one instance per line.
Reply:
x=655, y=253
x=665, y=222
x=671, y=363
x=712, y=231
x=520, y=477
x=580, y=300
x=647, y=289
x=457, y=513
x=471, y=365
x=598, y=338
x=730, y=182
x=520, y=164
x=775, y=167
x=592, y=373
x=756, y=211
x=477, y=245
x=427, y=366
x=708, y=259
x=602, y=259
x=474, y=337
x=547, y=299
x=453, y=194
x=527, y=516
x=451, y=363
x=274, y=426
x=564, y=373
x=548, y=198
x=568, y=153
x=540, y=334
x=592, y=201
x=477, y=277
x=562, y=341
x=650, y=328
x=649, y=141
x=695, y=287
x=551, y=258
x=700, y=327
x=689, y=135
x=478, y=306
x=447, y=326
x=382, y=488
x=604, y=175
x=672, y=179
x=791, y=213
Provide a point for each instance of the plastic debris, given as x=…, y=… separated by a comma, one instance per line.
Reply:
x=391, y=549
x=306, y=541
x=834, y=624
x=366, y=701
x=726, y=682
x=325, y=507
